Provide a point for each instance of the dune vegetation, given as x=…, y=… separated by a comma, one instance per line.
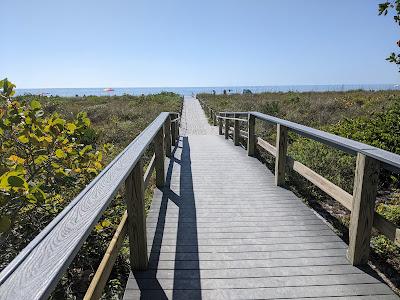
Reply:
x=51, y=148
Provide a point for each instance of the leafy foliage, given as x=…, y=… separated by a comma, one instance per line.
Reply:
x=41, y=157
x=49, y=151
x=383, y=9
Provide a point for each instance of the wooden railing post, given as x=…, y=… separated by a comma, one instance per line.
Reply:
x=362, y=213
x=220, y=125
x=173, y=132
x=159, y=153
x=236, y=132
x=167, y=137
x=226, y=128
x=136, y=219
x=281, y=150
x=177, y=131
x=214, y=119
x=251, y=140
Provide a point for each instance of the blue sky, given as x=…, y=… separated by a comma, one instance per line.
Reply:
x=149, y=43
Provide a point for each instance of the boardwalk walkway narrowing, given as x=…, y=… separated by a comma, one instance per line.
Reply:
x=221, y=229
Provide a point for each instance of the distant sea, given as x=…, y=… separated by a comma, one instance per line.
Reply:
x=72, y=92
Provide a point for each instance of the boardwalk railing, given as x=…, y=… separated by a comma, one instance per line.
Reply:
x=35, y=272
x=369, y=161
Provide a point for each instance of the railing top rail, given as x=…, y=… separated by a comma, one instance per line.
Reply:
x=390, y=161
x=52, y=251
x=238, y=113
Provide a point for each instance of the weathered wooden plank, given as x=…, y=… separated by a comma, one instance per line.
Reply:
x=266, y=146
x=324, y=184
x=136, y=218
x=269, y=282
x=167, y=136
x=173, y=133
x=226, y=129
x=251, y=273
x=236, y=133
x=220, y=126
x=159, y=158
x=250, y=248
x=255, y=241
x=149, y=171
x=281, y=150
x=193, y=256
x=36, y=270
x=287, y=292
x=362, y=213
x=168, y=235
x=251, y=140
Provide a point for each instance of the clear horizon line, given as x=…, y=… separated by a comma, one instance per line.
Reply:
x=205, y=86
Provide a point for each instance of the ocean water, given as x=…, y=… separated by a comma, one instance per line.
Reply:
x=72, y=92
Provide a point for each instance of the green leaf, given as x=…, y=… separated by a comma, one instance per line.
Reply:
x=35, y=104
x=60, y=154
x=23, y=139
x=39, y=194
x=16, y=181
x=5, y=223
x=105, y=223
x=40, y=159
x=85, y=149
x=71, y=127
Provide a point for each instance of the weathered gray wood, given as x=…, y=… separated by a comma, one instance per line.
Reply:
x=281, y=150
x=284, y=292
x=220, y=125
x=236, y=133
x=214, y=115
x=212, y=239
x=226, y=129
x=136, y=219
x=173, y=133
x=167, y=136
x=362, y=213
x=36, y=270
x=149, y=171
x=251, y=137
x=159, y=158
x=324, y=184
x=176, y=132
x=266, y=146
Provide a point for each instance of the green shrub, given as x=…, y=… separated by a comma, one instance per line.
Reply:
x=383, y=246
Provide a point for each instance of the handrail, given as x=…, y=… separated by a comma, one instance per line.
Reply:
x=391, y=161
x=369, y=159
x=53, y=250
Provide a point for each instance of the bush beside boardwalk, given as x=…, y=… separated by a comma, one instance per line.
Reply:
x=371, y=117
x=115, y=121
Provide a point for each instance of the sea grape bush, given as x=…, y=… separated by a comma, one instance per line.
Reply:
x=41, y=157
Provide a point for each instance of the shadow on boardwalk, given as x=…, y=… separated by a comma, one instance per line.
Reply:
x=186, y=231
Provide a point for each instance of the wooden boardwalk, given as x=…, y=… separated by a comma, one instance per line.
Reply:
x=222, y=229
